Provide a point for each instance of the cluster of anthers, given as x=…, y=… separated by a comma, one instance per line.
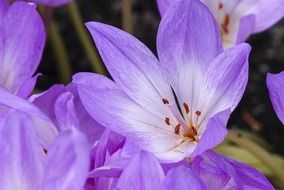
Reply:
x=186, y=126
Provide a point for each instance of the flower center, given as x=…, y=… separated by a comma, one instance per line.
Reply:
x=185, y=126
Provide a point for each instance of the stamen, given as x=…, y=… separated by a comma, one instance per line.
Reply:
x=167, y=120
x=186, y=107
x=220, y=6
x=177, y=128
x=194, y=131
x=165, y=101
x=225, y=25
x=198, y=114
x=227, y=20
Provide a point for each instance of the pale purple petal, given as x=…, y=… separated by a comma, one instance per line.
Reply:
x=246, y=28
x=133, y=67
x=28, y=87
x=214, y=133
x=14, y=102
x=65, y=112
x=87, y=125
x=219, y=172
x=275, y=85
x=143, y=173
x=188, y=40
x=44, y=128
x=182, y=178
x=67, y=162
x=46, y=100
x=23, y=36
x=21, y=160
x=225, y=81
x=51, y=3
x=267, y=13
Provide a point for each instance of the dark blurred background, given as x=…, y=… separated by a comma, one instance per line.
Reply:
x=255, y=112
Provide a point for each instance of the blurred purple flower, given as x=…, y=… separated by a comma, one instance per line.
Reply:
x=22, y=38
x=176, y=107
x=26, y=165
x=275, y=84
x=238, y=19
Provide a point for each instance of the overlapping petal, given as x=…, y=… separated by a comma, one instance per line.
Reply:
x=44, y=127
x=67, y=162
x=182, y=178
x=63, y=106
x=143, y=173
x=275, y=84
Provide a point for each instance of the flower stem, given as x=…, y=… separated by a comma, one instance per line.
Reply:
x=127, y=16
x=79, y=26
x=266, y=157
x=60, y=54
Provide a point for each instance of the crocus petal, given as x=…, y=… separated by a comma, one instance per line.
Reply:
x=44, y=128
x=87, y=125
x=182, y=178
x=65, y=112
x=223, y=86
x=214, y=133
x=67, y=162
x=51, y=3
x=28, y=87
x=11, y=101
x=133, y=67
x=46, y=100
x=21, y=161
x=188, y=40
x=275, y=84
x=267, y=13
x=219, y=172
x=23, y=36
x=143, y=173
x=246, y=28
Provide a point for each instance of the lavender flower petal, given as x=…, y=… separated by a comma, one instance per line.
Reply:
x=275, y=85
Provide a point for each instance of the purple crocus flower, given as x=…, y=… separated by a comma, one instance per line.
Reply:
x=174, y=107
x=22, y=38
x=275, y=84
x=238, y=19
x=25, y=165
